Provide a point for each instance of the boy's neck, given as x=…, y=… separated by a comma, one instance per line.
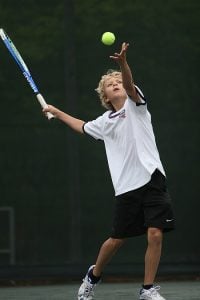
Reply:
x=118, y=104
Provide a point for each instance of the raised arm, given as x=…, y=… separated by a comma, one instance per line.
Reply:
x=127, y=77
x=74, y=123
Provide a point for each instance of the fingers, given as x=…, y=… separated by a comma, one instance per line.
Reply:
x=47, y=110
x=124, y=47
x=50, y=109
x=121, y=55
x=116, y=57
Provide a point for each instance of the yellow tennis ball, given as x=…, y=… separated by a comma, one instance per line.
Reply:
x=108, y=38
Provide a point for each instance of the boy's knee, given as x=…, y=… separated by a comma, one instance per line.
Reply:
x=155, y=235
x=116, y=243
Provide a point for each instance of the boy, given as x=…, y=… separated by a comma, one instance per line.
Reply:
x=143, y=204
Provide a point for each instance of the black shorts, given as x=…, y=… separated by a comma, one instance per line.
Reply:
x=148, y=206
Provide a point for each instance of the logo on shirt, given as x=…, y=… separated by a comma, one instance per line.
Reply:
x=121, y=114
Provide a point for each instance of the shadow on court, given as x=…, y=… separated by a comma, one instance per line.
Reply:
x=180, y=290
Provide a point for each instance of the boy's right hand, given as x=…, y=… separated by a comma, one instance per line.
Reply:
x=50, y=108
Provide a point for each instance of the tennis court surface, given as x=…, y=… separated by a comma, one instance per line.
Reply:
x=180, y=290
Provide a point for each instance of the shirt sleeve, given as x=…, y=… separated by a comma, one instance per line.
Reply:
x=94, y=128
x=141, y=95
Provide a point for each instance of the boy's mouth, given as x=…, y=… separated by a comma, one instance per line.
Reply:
x=115, y=89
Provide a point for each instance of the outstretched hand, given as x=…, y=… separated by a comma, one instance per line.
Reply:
x=120, y=57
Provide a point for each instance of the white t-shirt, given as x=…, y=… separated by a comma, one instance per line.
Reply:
x=130, y=145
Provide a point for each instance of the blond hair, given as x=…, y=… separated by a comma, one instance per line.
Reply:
x=100, y=89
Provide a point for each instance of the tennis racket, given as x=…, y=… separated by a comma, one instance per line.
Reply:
x=20, y=62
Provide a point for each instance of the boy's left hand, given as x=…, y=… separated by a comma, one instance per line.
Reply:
x=121, y=57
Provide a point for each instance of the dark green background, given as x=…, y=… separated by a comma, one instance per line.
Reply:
x=56, y=180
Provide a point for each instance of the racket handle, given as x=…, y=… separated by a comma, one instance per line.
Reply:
x=44, y=105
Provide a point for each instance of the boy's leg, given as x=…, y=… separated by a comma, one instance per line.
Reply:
x=108, y=249
x=152, y=259
x=152, y=256
x=153, y=253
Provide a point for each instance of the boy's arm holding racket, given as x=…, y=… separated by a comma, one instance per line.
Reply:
x=74, y=123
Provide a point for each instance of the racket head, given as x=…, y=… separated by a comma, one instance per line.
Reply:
x=19, y=60
x=13, y=50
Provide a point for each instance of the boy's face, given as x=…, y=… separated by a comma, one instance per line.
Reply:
x=113, y=89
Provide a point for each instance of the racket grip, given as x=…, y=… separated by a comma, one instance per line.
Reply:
x=44, y=105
